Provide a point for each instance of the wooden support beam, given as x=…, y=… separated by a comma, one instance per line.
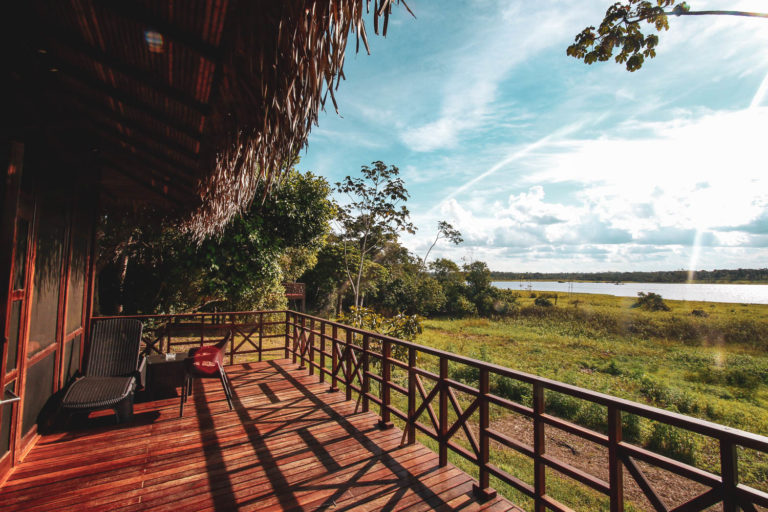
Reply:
x=76, y=44
x=173, y=156
x=109, y=144
x=144, y=184
x=116, y=94
x=84, y=103
x=167, y=163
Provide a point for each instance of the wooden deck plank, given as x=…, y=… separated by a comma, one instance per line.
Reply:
x=289, y=444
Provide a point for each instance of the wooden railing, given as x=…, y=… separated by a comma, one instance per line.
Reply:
x=364, y=364
x=254, y=332
x=346, y=356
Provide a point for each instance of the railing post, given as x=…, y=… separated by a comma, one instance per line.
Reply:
x=311, y=350
x=295, y=337
x=287, y=332
x=261, y=335
x=386, y=376
x=411, y=395
x=365, y=386
x=730, y=475
x=539, y=473
x=322, y=351
x=232, y=339
x=202, y=330
x=334, y=359
x=302, y=349
x=443, y=412
x=615, y=469
x=348, y=365
x=483, y=488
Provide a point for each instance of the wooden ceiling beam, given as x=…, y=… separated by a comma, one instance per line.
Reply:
x=133, y=11
x=143, y=184
x=172, y=165
x=95, y=109
x=143, y=76
x=166, y=190
x=109, y=143
x=121, y=96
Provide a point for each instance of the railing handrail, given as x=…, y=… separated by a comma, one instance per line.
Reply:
x=187, y=315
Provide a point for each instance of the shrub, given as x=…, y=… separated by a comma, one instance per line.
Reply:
x=700, y=313
x=673, y=442
x=650, y=302
x=543, y=302
x=461, y=306
x=401, y=326
x=513, y=390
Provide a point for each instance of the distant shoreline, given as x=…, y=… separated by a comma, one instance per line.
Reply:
x=697, y=281
x=717, y=276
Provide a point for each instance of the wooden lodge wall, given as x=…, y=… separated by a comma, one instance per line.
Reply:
x=46, y=271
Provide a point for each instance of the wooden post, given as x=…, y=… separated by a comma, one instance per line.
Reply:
x=334, y=359
x=311, y=350
x=348, y=364
x=443, y=412
x=386, y=376
x=295, y=337
x=322, y=351
x=232, y=338
x=301, y=342
x=365, y=386
x=483, y=488
x=202, y=330
x=261, y=335
x=615, y=468
x=730, y=475
x=287, y=333
x=539, y=447
x=411, y=395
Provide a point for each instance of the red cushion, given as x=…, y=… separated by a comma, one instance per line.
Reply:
x=207, y=359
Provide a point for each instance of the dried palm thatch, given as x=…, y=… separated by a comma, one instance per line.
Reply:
x=284, y=60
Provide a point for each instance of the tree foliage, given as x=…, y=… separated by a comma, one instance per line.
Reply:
x=621, y=31
x=241, y=269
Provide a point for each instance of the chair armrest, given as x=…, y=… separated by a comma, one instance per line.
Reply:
x=141, y=372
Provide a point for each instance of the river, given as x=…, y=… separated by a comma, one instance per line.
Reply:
x=736, y=293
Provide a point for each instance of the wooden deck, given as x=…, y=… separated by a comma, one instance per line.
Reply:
x=288, y=445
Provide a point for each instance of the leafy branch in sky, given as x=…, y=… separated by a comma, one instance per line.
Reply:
x=622, y=30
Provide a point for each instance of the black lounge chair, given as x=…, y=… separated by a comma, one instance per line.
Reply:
x=112, y=371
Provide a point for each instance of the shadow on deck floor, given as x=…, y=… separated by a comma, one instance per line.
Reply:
x=288, y=445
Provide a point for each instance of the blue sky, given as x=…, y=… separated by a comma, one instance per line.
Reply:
x=546, y=164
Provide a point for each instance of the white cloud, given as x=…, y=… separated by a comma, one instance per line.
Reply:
x=505, y=37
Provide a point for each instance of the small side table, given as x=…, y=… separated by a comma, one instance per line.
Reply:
x=165, y=373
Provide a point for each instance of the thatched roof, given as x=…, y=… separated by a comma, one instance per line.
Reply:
x=186, y=104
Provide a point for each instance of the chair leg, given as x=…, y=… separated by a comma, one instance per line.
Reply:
x=124, y=409
x=183, y=397
x=225, y=385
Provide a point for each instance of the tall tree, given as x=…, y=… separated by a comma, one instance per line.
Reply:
x=374, y=215
x=621, y=29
